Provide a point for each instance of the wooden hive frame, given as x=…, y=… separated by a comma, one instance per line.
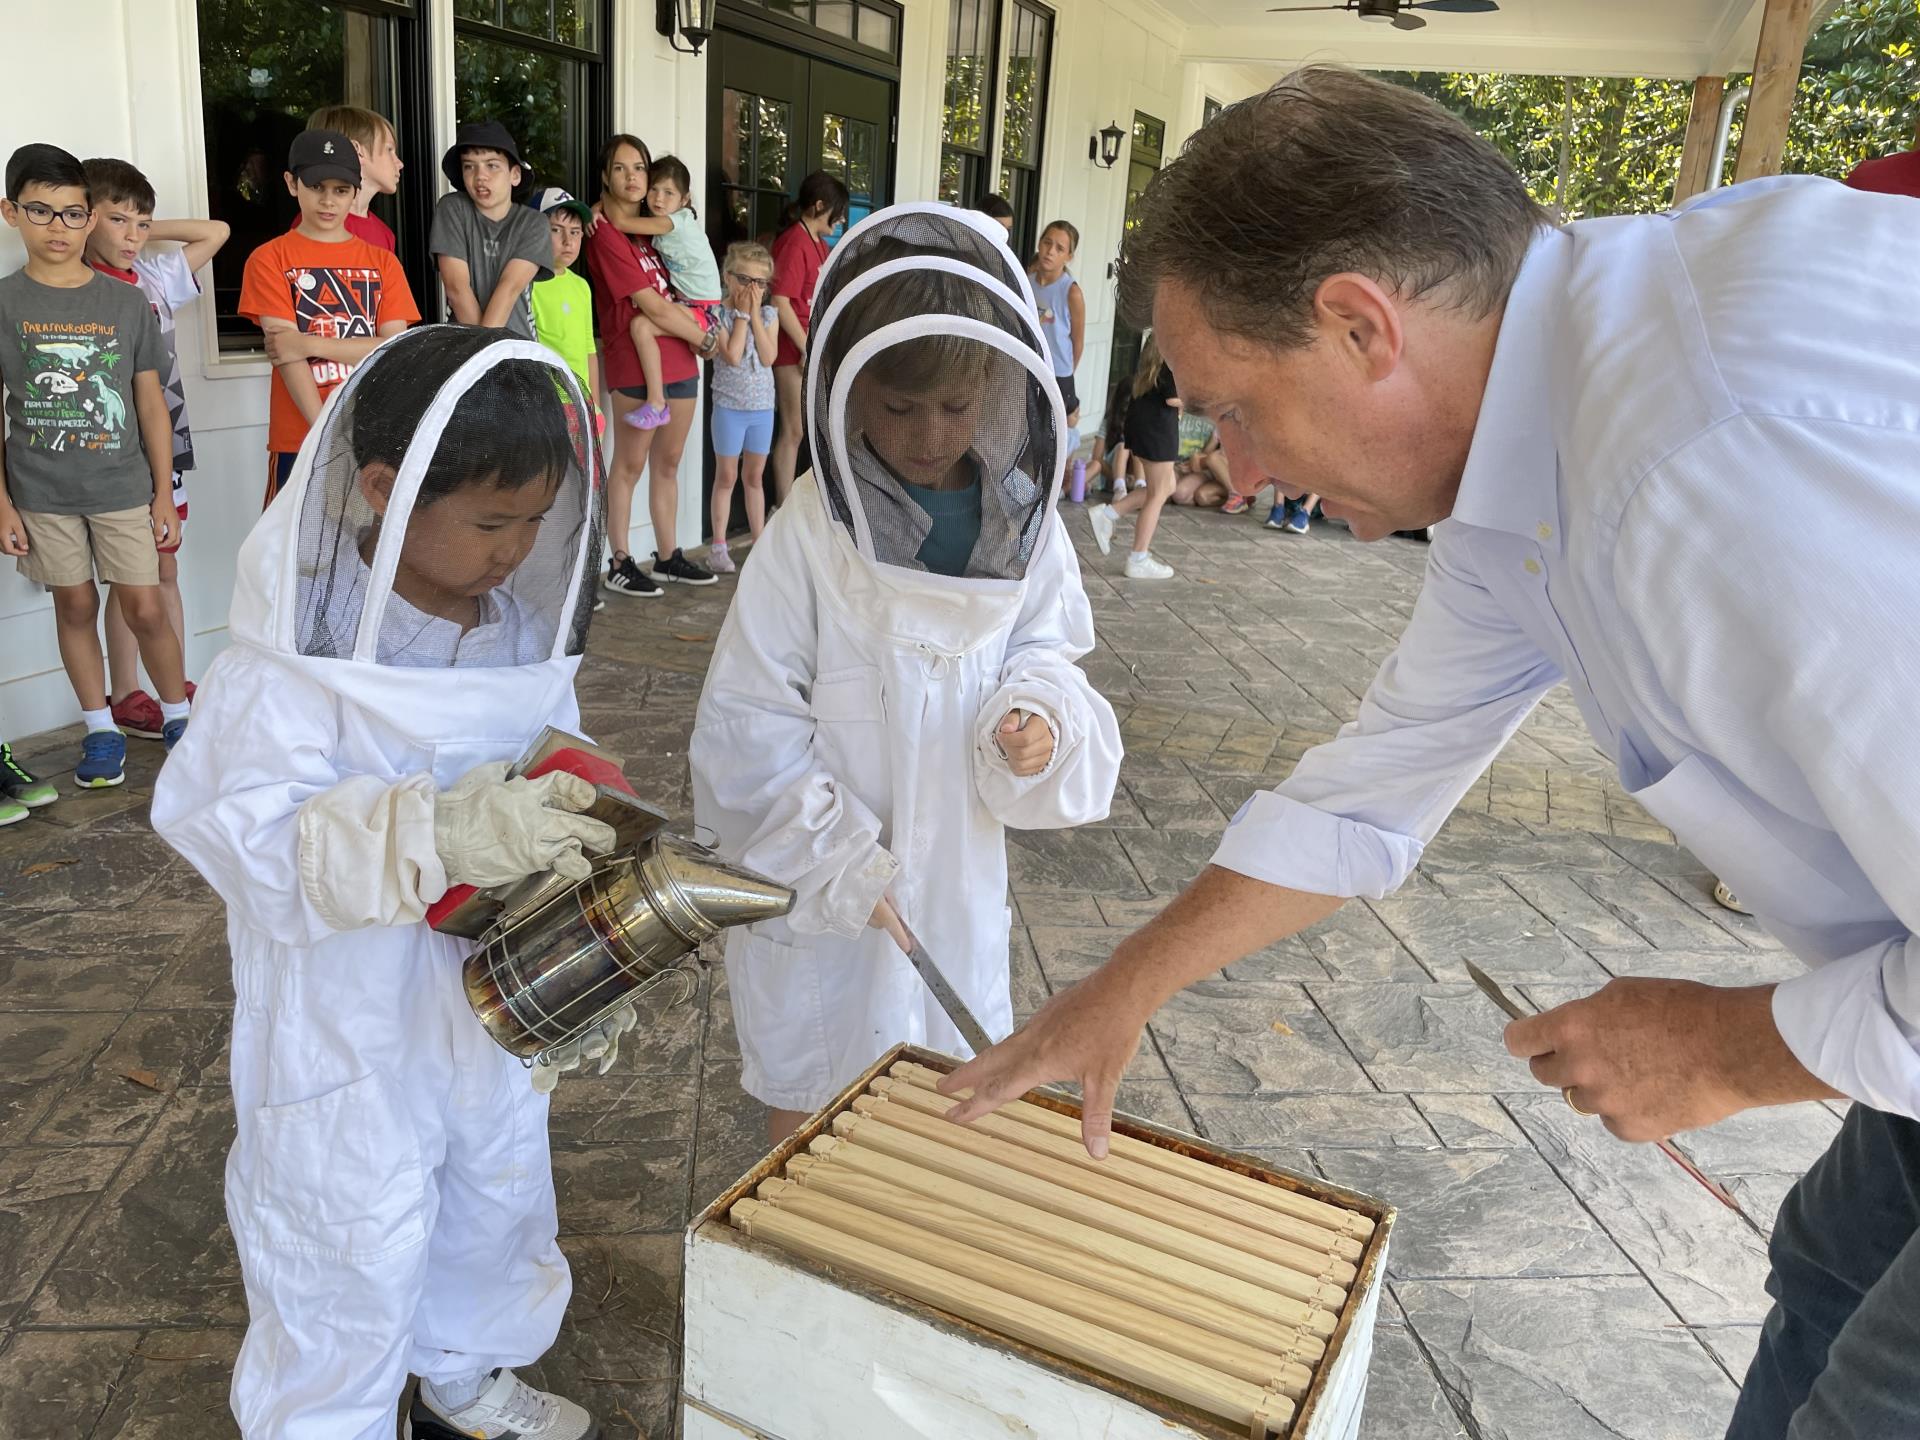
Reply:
x=1251, y=1200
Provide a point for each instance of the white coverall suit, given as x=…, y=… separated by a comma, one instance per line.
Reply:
x=844, y=743
x=389, y=1187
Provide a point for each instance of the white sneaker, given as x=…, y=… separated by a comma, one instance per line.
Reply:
x=508, y=1409
x=1102, y=518
x=1145, y=567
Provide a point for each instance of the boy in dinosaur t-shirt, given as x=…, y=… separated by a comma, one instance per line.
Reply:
x=86, y=485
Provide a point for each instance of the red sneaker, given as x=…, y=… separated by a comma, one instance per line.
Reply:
x=139, y=714
x=191, y=687
x=1236, y=505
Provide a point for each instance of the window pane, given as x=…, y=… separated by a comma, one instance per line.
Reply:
x=1022, y=188
x=573, y=23
x=529, y=17
x=772, y=140
x=876, y=28
x=834, y=16
x=847, y=149
x=485, y=11
x=736, y=133
x=1149, y=133
x=1026, y=85
x=536, y=96
x=969, y=67
x=950, y=168
x=265, y=65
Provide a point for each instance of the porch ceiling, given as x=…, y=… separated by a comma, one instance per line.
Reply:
x=1550, y=37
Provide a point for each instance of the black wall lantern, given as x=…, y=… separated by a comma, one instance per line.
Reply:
x=1103, y=149
x=688, y=20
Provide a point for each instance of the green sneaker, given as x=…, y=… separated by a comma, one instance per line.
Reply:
x=21, y=788
x=11, y=811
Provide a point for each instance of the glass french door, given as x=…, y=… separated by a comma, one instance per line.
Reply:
x=778, y=114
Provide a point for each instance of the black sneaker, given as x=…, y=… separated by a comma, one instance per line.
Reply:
x=681, y=571
x=626, y=578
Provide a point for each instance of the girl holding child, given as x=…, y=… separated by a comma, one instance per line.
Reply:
x=895, y=684
x=673, y=225
x=629, y=278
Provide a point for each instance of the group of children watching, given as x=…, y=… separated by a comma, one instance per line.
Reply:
x=93, y=484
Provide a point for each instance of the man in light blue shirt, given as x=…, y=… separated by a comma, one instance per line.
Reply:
x=1606, y=424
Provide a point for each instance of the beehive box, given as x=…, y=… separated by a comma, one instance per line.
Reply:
x=887, y=1275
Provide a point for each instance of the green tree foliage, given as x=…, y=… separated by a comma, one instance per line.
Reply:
x=1597, y=145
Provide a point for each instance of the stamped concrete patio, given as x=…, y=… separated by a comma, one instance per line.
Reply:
x=1547, y=1282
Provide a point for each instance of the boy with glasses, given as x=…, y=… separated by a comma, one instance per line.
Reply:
x=86, y=485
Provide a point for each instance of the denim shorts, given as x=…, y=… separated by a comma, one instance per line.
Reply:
x=687, y=389
x=735, y=431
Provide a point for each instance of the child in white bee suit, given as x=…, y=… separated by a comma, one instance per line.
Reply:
x=409, y=616
x=895, y=683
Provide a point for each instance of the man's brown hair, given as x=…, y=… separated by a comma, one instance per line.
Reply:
x=1329, y=171
x=363, y=127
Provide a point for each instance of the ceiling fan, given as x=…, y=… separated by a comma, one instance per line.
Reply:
x=1397, y=13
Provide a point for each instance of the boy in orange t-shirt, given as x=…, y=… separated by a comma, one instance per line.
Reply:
x=323, y=299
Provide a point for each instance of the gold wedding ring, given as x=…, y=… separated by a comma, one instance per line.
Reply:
x=1566, y=1094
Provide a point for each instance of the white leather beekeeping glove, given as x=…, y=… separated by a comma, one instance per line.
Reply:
x=490, y=830
x=600, y=1042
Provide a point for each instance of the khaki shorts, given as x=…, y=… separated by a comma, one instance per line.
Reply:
x=117, y=547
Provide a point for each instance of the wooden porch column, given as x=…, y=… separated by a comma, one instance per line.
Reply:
x=1776, y=71
x=1703, y=124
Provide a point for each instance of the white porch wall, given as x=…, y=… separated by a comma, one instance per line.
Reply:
x=1111, y=57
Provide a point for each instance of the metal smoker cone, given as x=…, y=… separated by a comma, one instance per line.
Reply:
x=700, y=895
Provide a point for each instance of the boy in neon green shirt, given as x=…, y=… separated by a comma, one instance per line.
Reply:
x=563, y=306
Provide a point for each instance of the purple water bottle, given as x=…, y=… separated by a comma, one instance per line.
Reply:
x=1077, y=489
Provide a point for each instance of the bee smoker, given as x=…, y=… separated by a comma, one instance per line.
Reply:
x=554, y=955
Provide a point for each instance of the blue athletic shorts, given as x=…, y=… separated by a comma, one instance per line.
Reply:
x=735, y=431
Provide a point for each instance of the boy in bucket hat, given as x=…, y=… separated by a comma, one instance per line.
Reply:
x=490, y=251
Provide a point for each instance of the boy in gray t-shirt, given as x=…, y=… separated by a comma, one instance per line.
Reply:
x=489, y=250
x=86, y=487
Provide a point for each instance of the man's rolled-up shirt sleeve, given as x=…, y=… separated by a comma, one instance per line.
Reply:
x=1846, y=1023
x=1356, y=813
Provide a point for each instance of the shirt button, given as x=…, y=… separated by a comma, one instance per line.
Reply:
x=1533, y=567
x=1546, y=531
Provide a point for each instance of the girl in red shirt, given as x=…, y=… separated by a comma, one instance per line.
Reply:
x=799, y=251
x=628, y=277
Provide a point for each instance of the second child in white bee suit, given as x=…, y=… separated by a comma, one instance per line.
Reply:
x=409, y=616
x=896, y=682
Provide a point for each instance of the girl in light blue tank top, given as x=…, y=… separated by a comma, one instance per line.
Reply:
x=1063, y=313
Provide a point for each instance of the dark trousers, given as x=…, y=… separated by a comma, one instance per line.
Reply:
x=1839, y=1357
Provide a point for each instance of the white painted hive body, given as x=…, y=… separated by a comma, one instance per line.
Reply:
x=885, y=1275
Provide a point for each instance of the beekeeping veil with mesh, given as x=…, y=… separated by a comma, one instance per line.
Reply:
x=442, y=510
x=926, y=348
